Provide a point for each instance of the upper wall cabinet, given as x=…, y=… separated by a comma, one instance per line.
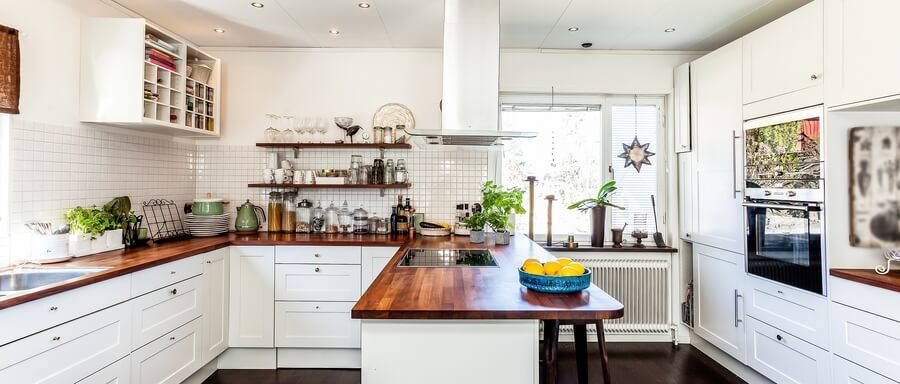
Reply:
x=682, y=101
x=862, y=50
x=785, y=58
x=137, y=76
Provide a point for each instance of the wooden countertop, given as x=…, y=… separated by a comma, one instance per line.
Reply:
x=476, y=293
x=126, y=261
x=889, y=281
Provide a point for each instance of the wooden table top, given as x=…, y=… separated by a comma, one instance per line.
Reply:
x=889, y=281
x=476, y=293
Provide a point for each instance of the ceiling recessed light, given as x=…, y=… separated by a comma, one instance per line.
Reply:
x=669, y=30
x=334, y=31
x=363, y=5
x=218, y=30
x=573, y=29
x=256, y=4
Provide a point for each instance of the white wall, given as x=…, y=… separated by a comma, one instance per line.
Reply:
x=355, y=82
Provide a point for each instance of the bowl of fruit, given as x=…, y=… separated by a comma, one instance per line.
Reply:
x=556, y=276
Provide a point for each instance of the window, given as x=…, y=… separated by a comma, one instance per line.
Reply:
x=575, y=151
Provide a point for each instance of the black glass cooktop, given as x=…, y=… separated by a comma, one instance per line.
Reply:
x=418, y=257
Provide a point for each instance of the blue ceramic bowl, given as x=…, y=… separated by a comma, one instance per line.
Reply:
x=555, y=284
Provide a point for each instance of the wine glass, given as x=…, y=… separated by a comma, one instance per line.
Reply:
x=271, y=134
x=298, y=128
x=290, y=135
x=322, y=125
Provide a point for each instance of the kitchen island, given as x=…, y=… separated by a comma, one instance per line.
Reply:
x=464, y=324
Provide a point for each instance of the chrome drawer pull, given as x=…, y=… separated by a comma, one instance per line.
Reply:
x=317, y=269
x=172, y=338
x=172, y=273
x=54, y=308
x=318, y=255
x=737, y=320
x=779, y=337
x=175, y=291
x=56, y=338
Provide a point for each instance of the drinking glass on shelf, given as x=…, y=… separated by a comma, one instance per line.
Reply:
x=322, y=125
x=288, y=135
x=271, y=134
x=297, y=126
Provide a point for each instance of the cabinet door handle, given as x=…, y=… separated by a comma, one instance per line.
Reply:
x=56, y=338
x=737, y=319
x=172, y=338
x=317, y=255
x=208, y=261
x=317, y=269
x=734, y=172
x=54, y=308
x=175, y=291
x=779, y=337
x=814, y=77
x=172, y=272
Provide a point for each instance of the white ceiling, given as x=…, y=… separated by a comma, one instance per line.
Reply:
x=608, y=24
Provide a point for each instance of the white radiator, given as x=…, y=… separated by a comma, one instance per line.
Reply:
x=642, y=283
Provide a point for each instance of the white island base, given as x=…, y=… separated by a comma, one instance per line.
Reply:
x=450, y=351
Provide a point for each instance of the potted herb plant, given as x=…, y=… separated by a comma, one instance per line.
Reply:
x=499, y=204
x=95, y=230
x=597, y=207
x=476, y=224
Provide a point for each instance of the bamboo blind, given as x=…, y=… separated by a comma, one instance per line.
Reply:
x=9, y=70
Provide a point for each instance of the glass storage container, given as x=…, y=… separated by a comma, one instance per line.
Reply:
x=289, y=212
x=276, y=205
x=389, y=135
x=378, y=133
x=360, y=221
x=378, y=172
x=377, y=224
x=318, y=219
x=389, y=172
x=345, y=218
x=400, y=133
x=304, y=216
x=332, y=221
x=401, y=175
x=365, y=177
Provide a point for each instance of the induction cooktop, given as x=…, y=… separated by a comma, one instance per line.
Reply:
x=419, y=257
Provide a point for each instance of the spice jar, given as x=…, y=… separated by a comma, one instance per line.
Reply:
x=360, y=221
x=304, y=215
x=401, y=176
x=378, y=172
x=389, y=172
x=378, y=132
x=400, y=133
x=345, y=218
x=389, y=135
x=276, y=205
x=289, y=212
x=318, y=218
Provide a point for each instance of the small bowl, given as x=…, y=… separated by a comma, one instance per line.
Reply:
x=555, y=284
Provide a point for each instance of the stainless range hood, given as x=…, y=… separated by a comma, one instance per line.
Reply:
x=471, y=76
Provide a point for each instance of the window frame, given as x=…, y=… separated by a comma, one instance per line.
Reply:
x=605, y=102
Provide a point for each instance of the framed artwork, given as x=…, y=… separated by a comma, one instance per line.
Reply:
x=875, y=187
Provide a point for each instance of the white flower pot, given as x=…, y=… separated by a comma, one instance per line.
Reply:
x=83, y=245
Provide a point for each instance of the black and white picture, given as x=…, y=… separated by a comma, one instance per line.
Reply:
x=875, y=187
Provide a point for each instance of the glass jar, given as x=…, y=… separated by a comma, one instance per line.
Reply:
x=289, y=212
x=355, y=161
x=360, y=221
x=345, y=218
x=365, y=177
x=374, y=222
x=378, y=132
x=304, y=216
x=276, y=205
x=389, y=172
x=318, y=219
x=389, y=135
x=332, y=221
x=401, y=175
x=400, y=133
x=378, y=172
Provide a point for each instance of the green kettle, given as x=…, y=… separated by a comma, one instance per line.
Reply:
x=249, y=218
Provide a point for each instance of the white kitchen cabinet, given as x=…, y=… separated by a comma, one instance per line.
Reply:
x=374, y=260
x=115, y=373
x=785, y=56
x=315, y=325
x=161, y=311
x=304, y=254
x=69, y=352
x=681, y=99
x=686, y=203
x=251, y=300
x=784, y=358
x=169, y=359
x=718, y=155
x=160, y=276
x=214, y=299
x=718, y=294
x=845, y=372
x=862, y=50
x=795, y=311
x=866, y=339
x=317, y=282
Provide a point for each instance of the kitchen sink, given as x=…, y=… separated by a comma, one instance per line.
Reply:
x=418, y=257
x=23, y=279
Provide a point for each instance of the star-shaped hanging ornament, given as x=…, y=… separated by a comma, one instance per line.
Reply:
x=636, y=154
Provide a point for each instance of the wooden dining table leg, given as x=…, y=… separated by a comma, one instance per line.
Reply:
x=550, y=351
x=581, y=352
x=604, y=361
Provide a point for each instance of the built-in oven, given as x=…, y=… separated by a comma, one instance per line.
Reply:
x=783, y=157
x=785, y=242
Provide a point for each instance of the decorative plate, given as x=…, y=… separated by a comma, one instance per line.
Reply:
x=393, y=114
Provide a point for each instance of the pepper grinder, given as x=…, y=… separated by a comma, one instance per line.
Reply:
x=531, y=180
x=550, y=199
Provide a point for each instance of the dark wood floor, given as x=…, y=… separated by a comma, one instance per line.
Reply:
x=645, y=363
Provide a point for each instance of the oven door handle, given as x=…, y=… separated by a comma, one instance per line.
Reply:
x=781, y=206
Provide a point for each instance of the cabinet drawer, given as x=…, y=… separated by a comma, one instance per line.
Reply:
x=784, y=358
x=315, y=325
x=845, y=372
x=304, y=282
x=160, y=276
x=71, y=351
x=868, y=340
x=169, y=359
x=161, y=311
x=799, y=313
x=62, y=307
x=317, y=255
x=115, y=373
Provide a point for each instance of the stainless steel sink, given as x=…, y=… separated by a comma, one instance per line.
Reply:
x=23, y=279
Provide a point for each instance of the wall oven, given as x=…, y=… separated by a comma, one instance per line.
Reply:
x=784, y=199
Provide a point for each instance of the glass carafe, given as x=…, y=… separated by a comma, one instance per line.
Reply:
x=289, y=212
x=332, y=221
x=360, y=221
x=304, y=216
x=318, y=219
x=276, y=205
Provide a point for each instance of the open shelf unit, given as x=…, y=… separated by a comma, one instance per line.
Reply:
x=135, y=75
x=331, y=186
x=335, y=146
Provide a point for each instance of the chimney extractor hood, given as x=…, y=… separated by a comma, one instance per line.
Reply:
x=471, y=76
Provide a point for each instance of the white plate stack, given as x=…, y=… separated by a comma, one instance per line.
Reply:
x=203, y=226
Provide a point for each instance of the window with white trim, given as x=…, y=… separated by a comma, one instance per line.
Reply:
x=579, y=139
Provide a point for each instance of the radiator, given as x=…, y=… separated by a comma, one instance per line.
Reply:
x=642, y=283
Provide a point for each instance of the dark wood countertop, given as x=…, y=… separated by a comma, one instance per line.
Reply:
x=889, y=281
x=125, y=261
x=476, y=293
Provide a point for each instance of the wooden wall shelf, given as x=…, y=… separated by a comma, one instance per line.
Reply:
x=335, y=146
x=331, y=186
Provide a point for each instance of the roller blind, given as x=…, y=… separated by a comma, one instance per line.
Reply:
x=634, y=188
x=9, y=70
